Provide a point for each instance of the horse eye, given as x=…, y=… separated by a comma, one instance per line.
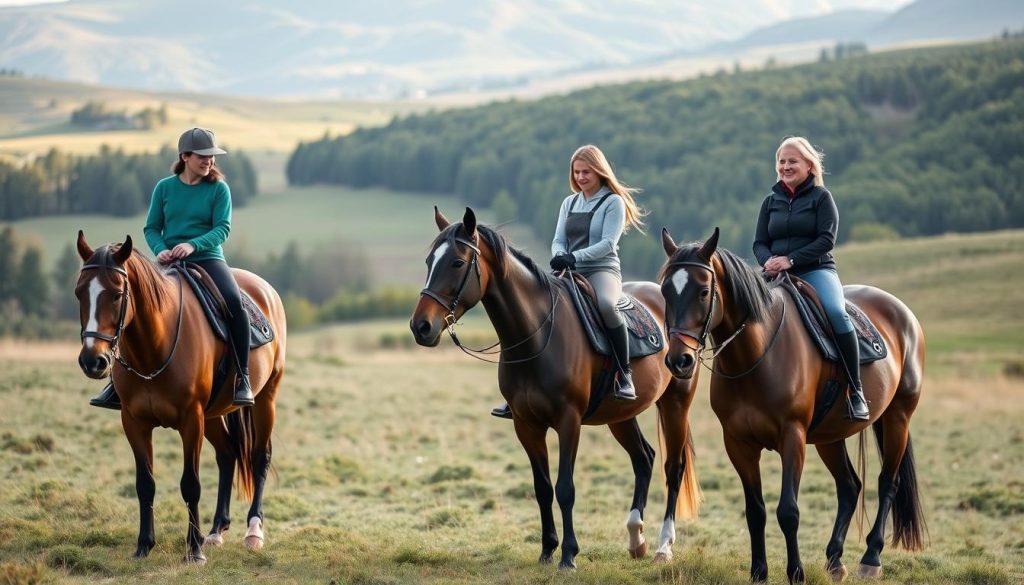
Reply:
x=705, y=293
x=459, y=263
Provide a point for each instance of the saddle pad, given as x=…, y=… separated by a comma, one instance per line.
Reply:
x=645, y=334
x=260, y=331
x=872, y=346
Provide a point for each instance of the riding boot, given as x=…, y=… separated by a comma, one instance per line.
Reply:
x=503, y=411
x=850, y=351
x=107, y=398
x=243, y=392
x=620, y=347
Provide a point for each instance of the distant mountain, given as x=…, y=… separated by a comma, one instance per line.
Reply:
x=403, y=48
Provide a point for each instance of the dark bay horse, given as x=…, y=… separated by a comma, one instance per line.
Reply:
x=141, y=326
x=546, y=370
x=766, y=374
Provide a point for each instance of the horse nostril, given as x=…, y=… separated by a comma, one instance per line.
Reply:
x=685, y=361
x=423, y=328
x=101, y=363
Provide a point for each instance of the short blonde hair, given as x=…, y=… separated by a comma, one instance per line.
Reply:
x=809, y=153
x=593, y=156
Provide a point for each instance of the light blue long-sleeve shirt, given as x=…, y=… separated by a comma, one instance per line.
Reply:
x=606, y=228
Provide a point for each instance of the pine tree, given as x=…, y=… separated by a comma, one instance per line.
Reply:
x=32, y=289
x=65, y=275
x=8, y=263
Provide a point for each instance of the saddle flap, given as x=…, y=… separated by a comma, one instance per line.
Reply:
x=645, y=334
x=215, y=308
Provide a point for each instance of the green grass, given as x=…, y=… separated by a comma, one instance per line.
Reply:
x=390, y=470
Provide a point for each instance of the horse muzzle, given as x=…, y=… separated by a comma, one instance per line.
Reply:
x=681, y=364
x=94, y=365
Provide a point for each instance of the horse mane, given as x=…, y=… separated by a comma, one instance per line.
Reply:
x=502, y=250
x=745, y=285
x=148, y=277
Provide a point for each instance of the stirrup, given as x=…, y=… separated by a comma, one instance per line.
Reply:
x=857, y=406
x=624, y=389
x=107, y=398
x=503, y=411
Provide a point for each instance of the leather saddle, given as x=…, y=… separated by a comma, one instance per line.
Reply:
x=645, y=336
x=216, y=311
x=812, y=315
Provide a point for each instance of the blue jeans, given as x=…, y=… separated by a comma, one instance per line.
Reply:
x=830, y=292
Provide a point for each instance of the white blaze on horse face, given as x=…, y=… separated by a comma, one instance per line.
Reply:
x=95, y=288
x=437, y=255
x=679, y=280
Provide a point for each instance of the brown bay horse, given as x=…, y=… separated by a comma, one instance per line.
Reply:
x=765, y=378
x=546, y=370
x=143, y=327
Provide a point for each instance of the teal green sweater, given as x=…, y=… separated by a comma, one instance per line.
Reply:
x=198, y=214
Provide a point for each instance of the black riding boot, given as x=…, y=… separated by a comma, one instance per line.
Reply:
x=620, y=347
x=107, y=398
x=243, y=392
x=847, y=343
x=503, y=411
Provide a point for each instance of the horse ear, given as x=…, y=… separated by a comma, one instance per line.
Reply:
x=469, y=223
x=668, y=242
x=441, y=221
x=84, y=251
x=124, y=251
x=709, y=247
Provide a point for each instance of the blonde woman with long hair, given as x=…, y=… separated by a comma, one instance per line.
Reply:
x=590, y=222
x=796, y=231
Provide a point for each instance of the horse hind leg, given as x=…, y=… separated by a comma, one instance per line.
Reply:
x=848, y=487
x=217, y=433
x=264, y=413
x=641, y=455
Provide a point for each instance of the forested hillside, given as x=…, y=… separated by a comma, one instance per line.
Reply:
x=109, y=183
x=918, y=142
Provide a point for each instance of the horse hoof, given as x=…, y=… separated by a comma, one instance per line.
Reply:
x=663, y=557
x=869, y=572
x=214, y=540
x=567, y=566
x=254, y=535
x=545, y=559
x=639, y=552
x=197, y=559
x=838, y=574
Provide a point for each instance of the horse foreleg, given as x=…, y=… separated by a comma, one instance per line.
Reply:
x=217, y=434
x=641, y=455
x=192, y=444
x=746, y=459
x=793, y=450
x=565, y=488
x=848, y=486
x=672, y=417
x=532, y=438
x=140, y=437
x=264, y=413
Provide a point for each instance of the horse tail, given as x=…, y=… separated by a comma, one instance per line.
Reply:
x=862, y=472
x=690, y=496
x=241, y=433
x=908, y=525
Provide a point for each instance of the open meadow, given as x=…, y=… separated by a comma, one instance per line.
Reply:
x=390, y=470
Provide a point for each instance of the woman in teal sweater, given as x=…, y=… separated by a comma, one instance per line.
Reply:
x=189, y=218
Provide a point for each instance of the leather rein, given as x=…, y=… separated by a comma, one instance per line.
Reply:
x=113, y=339
x=451, y=320
x=701, y=337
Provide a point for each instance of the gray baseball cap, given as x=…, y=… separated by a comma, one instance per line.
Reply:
x=200, y=141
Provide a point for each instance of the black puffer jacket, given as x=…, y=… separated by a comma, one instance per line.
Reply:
x=802, y=228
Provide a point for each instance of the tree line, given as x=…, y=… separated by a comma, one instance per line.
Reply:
x=110, y=182
x=917, y=142
x=38, y=303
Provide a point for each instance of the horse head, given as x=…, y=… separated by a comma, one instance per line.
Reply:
x=456, y=278
x=104, y=304
x=693, y=304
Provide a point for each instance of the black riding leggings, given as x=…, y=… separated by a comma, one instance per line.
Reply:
x=238, y=319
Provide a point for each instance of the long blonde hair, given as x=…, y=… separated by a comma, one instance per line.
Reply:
x=810, y=154
x=593, y=156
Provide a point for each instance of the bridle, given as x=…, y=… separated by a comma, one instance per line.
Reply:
x=122, y=312
x=451, y=320
x=701, y=337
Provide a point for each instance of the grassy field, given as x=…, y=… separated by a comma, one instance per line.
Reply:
x=389, y=469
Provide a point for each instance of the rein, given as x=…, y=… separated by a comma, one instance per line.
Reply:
x=702, y=352
x=113, y=339
x=451, y=320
